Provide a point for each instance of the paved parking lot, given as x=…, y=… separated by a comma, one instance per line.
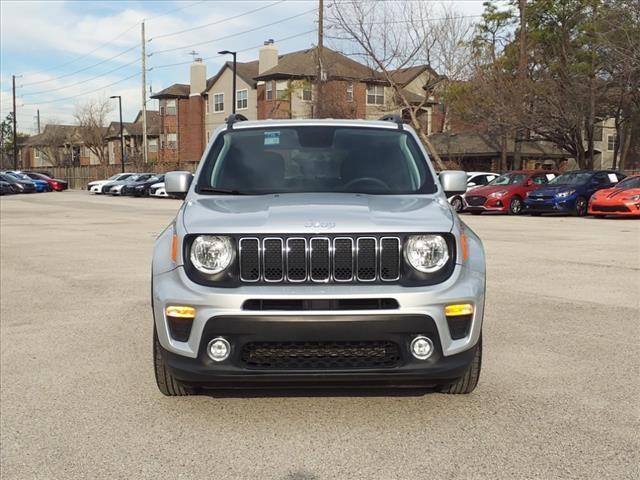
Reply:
x=558, y=396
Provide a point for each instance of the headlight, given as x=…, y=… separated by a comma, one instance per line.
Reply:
x=634, y=198
x=565, y=194
x=211, y=254
x=427, y=253
x=499, y=194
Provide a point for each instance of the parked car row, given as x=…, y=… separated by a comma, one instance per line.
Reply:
x=535, y=192
x=133, y=184
x=16, y=181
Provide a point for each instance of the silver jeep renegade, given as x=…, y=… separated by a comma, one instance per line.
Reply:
x=317, y=253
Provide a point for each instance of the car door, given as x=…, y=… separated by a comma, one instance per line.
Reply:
x=600, y=181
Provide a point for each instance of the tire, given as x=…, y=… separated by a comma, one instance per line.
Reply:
x=456, y=203
x=515, y=206
x=580, y=210
x=467, y=383
x=167, y=383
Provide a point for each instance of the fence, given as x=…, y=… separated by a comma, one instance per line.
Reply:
x=78, y=177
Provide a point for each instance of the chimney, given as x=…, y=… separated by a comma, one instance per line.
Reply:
x=267, y=57
x=198, y=77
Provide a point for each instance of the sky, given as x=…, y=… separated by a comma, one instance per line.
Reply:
x=64, y=53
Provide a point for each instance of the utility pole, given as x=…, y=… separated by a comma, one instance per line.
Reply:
x=144, y=98
x=15, y=133
x=38, y=114
x=320, y=72
x=119, y=97
x=522, y=75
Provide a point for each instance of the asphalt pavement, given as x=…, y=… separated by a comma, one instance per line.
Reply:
x=559, y=394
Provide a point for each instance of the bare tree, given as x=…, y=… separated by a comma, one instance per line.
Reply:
x=391, y=36
x=92, y=122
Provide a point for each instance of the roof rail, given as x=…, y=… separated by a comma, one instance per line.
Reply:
x=233, y=118
x=393, y=117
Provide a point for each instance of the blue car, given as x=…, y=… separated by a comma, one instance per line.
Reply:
x=41, y=185
x=570, y=192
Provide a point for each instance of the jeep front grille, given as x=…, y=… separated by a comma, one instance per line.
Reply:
x=319, y=259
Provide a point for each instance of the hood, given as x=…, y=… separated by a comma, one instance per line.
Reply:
x=553, y=189
x=616, y=193
x=489, y=189
x=100, y=182
x=316, y=213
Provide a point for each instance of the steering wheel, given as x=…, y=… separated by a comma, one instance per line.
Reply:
x=364, y=181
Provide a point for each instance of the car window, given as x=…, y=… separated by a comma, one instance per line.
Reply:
x=539, y=179
x=509, y=179
x=480, y=180
x=571, y=178
x=629, y=182
x=316, y=159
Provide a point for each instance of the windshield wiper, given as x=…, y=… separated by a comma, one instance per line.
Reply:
x=226, y=191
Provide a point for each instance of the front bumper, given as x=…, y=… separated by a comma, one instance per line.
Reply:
x=554, y=205
x=626, y=208
x=490, y=205
x=220, y=312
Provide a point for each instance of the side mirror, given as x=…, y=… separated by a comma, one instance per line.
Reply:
x=454, y=182
x=529, y=183
x=177, y=183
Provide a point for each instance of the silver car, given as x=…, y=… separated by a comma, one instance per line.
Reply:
x=317, y=253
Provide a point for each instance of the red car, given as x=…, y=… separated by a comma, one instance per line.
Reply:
x=54, y=183
x=622, y=199
x=506, y=193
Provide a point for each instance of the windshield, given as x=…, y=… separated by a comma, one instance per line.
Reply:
x=315, y=159
x=18, y=176
x=571, y=179
x=631, y=182
x=509, y=179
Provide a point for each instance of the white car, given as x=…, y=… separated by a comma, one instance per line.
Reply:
x=474, y=179
x=158, y=190
x=96, y=186
x=116, y=189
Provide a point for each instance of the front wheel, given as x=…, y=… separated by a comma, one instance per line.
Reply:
x=167, y=383
x=580, y=209
x=467, y=383
x=515, y=206
x=457, y=204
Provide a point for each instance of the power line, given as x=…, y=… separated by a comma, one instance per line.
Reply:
x=84, y=55
x=82, y=69
x=175, y=10
x=216, y=22
x=109, y=42
x=280, y=40
x=234, y=34
x=81, y=81
x=83, y=93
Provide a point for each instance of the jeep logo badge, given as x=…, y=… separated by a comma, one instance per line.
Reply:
x=312, y=224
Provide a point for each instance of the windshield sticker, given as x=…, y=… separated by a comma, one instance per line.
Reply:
x=551, y=176
x=613, y=178
x=272, y=138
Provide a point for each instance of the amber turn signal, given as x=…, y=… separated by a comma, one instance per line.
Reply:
x=179, y=311
x=174, y=247
x=464, y=246
x=458, y=310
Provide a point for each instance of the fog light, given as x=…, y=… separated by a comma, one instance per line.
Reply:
x=218, y=349
x=180, y=311
x=458, y=310
x=421, y=347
